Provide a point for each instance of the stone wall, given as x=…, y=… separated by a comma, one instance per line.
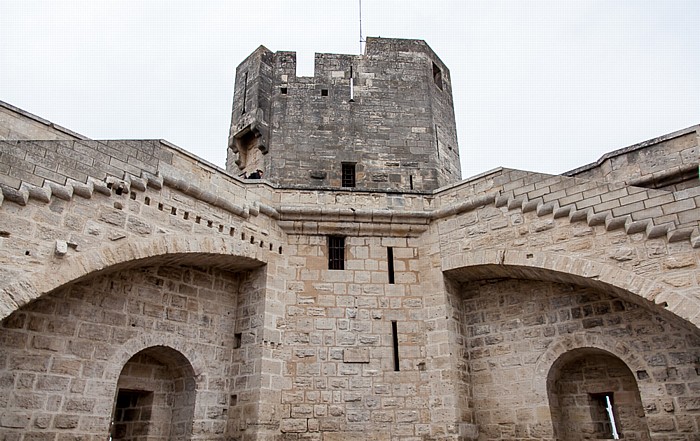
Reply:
x=669, y=162
x=127, y=266
x=16, y=123
x=64, y=355
x=343, y=372
x=507, y=326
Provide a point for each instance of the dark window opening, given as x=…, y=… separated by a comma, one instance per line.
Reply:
x=348, y=174
x=437, y=76
x=132, y=414
x=283, y=90
x=390, y=263
x=395, y=342
x=336, y=252
x=245, y=91
x=437, y=142
x=237, y=338
x=410, y=181
x=603, y=416
x=324, y=92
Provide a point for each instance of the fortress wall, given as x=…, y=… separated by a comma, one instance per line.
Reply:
x=669, y=162
x=16, y=123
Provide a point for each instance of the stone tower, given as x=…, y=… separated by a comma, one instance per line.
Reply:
x=380, y=121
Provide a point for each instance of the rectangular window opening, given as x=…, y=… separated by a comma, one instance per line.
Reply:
x=603, y=415
x=395, y=342
x=324, y=92
x=437, y=75
x=348, y=174
x=283, y=90
x=237, y=337
x=410, y=181
x=336, y=252
x=390, y=263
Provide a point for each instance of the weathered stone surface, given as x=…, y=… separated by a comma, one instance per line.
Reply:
x=500, y=307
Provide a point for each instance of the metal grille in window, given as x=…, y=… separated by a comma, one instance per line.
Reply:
x=348, y=176
x=336, y=252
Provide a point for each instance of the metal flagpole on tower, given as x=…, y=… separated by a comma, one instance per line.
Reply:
x=361, y=40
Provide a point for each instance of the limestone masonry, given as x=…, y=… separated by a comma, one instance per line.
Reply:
x=359, y=290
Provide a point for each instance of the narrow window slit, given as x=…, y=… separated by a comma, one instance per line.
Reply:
x=186, y=215
x=410, y=181
x=437, y=142
x=173, y=211
x=603, y=415
x=160, y=207
x=390, y=263
x=147, y=200
x=395, y=341
x=198, y=219
x=132, y=196
x=245, y=91
x=231, y=231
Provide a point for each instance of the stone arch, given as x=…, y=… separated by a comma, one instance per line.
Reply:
x=129, y=349
x=155, y=397
x=167, y=249
x=602, y=342
x=593, y=393
x=549, y=266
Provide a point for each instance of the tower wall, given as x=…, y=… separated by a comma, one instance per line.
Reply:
x=397, y=127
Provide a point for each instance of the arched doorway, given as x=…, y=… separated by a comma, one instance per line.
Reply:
x=594, y=395
x=155, y=397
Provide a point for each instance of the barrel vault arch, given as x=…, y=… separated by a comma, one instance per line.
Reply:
x=200, y=250
x=528, y=370
x=549, y=266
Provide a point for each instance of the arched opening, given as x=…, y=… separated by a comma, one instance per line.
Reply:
x=155, y=397
x=594, y=395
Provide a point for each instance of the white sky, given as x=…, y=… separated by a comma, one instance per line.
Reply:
x=538, y=85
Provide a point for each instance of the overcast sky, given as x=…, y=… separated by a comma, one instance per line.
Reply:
x=538, y=85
